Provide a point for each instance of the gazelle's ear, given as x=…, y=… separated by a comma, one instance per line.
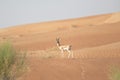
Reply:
x=57, y=38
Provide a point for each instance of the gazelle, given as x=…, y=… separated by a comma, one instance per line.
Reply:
x=64, y=48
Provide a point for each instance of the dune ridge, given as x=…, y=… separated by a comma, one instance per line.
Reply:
x=114, y=18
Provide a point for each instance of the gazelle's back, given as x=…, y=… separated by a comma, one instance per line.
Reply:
x=65, y=47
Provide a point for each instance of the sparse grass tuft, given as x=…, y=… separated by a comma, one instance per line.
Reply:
x=52, y=49
x=114, y=73
x=12, y=64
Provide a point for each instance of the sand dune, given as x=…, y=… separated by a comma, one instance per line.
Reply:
x=69, y=69
x=114, y=18
x=55, y=25
x=105, y=51
x=95, y=43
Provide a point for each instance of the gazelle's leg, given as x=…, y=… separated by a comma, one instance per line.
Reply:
x=72, y=54
x=69, y=53
x=62, y=53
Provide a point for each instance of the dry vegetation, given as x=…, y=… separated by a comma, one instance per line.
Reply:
x=12, y=65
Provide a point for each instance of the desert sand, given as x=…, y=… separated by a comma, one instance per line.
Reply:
x=95, y=44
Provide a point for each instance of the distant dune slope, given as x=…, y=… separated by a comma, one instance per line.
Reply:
x=53, y=25
x=114, y=18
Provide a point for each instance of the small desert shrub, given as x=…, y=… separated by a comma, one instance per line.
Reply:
x=12, y=63
x=74, y=26
x=114, y=73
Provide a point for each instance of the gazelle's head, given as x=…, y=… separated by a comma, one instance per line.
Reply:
x=58, y=42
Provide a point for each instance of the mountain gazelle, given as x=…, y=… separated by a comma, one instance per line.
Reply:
x=64, y=48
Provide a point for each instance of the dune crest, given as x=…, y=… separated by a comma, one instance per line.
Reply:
x=115, y=17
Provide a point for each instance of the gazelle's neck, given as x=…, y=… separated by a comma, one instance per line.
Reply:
x=58, y=44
